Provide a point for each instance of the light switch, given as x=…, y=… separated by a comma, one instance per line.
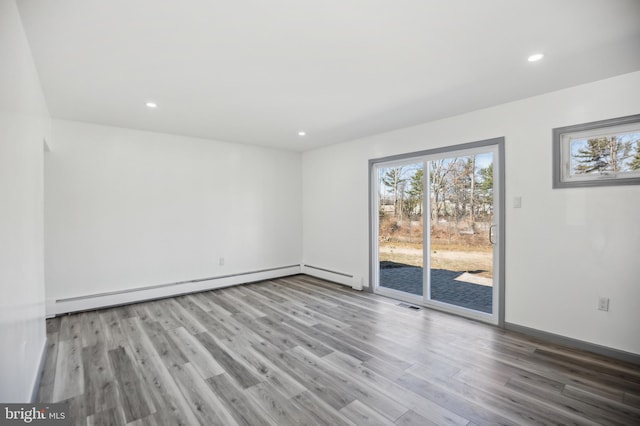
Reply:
x=517, y=202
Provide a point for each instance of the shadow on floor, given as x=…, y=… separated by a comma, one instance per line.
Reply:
x=444, y=286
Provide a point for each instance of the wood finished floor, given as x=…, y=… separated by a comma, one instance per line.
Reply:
x=298, y=351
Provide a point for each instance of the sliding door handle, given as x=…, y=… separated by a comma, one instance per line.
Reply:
x=491, y=228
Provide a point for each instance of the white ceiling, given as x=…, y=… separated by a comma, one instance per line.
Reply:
x=257, y=72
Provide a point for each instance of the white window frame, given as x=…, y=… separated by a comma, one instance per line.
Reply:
x=564, y=136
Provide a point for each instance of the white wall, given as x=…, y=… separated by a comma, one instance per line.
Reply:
x=24, y=123
x=128, y=209
x=564, y=248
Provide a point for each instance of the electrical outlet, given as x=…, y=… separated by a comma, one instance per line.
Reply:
x=603, y=303
x=221, y=261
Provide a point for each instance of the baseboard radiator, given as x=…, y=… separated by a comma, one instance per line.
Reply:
x=353, y=281
x=160, y=291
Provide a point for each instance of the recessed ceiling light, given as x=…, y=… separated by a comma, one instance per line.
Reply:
x=302, y=133
x=535, y=57
x=151, y=105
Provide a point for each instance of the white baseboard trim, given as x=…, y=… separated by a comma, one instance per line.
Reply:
x=353, y=281
x=36, y=380
x=124, y=297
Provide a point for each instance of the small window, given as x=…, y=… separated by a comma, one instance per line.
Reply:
x=596, y=154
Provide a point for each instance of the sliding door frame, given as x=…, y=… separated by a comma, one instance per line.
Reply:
x=495, y=143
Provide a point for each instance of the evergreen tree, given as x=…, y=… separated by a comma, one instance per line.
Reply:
x=415, y=191
x=485, y=185
x=605, y=154
x=593, y=158
x=635, y=161
x=394, y=179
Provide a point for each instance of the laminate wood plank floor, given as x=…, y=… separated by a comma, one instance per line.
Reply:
x=302, y=351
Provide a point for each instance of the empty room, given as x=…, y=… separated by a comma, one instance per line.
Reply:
x=418, y=212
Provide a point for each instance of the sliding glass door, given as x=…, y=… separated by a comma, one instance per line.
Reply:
x=435, y=229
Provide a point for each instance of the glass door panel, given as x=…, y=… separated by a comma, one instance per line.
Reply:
x=400, y=228
x=461, y=216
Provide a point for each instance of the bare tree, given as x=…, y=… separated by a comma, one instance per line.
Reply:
x=393, y=178
x=472, y=172
x=440, y=170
